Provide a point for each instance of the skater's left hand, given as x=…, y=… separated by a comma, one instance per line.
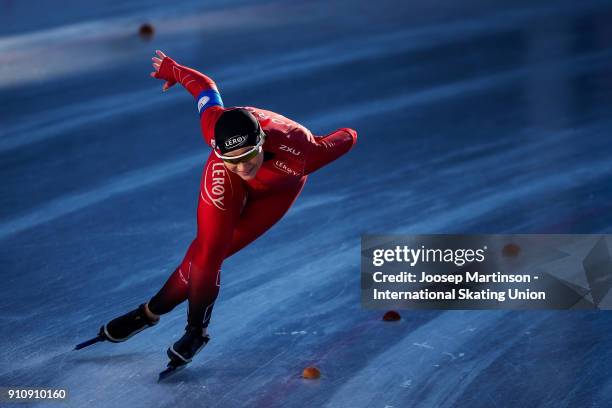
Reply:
x=157, y=63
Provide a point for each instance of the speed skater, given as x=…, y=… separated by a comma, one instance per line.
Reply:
x=257, y=168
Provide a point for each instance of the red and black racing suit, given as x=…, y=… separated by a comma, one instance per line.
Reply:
x=233, y=212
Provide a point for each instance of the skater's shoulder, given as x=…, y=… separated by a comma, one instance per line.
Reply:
x=271, y=119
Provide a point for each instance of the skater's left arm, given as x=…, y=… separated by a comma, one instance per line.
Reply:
x=324, y=150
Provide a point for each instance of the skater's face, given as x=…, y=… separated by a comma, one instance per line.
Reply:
x=246, y=169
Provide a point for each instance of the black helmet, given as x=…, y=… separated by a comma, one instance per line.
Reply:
x=236, y=128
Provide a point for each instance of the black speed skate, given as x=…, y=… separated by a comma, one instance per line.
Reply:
x=122, y=328
x=182, y=352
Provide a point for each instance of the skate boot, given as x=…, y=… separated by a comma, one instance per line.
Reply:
x=125, y=326
x=183, y=351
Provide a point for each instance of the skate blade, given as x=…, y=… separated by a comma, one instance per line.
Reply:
x=89, y=342
x=168, y=372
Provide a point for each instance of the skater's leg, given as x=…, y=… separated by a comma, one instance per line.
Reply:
x=257, y=217
x=174, y=290
x=221, y=198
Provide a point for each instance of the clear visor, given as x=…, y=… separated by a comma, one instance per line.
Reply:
x=247, y=153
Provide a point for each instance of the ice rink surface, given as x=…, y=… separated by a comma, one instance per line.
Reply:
x=473, y=117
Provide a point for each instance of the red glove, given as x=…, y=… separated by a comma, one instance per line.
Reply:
x=167, y=69
x=166, y=72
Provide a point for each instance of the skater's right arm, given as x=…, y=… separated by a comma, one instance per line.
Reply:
x=200, y=86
